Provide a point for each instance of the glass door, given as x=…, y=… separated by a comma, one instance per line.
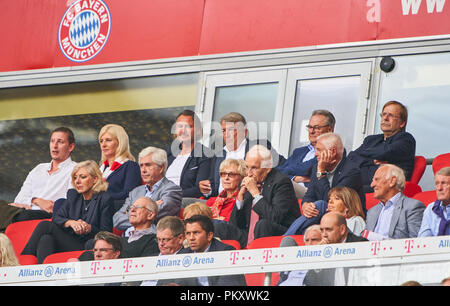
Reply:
x=342, y=89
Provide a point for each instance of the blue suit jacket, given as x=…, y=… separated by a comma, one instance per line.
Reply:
x=399, y=149
x=196, y=169
x=122, y=181
x=295, y=166
x=346, y=174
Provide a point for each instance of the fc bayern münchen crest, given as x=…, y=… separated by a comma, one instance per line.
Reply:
x=84, y=30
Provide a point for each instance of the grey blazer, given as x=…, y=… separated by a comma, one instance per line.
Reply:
x=170, y=193
x=406, y=218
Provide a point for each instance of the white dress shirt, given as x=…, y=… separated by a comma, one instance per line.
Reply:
x=40, y=184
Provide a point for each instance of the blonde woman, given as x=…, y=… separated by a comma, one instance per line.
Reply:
x=87, y=210
x=7, y=255
x=117, y=164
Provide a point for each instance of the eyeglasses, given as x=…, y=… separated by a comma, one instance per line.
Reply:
x=103, y=250
x=164, y=240
x=389, y=115
x=130, y=208
x=316, y=127
x=230, y=174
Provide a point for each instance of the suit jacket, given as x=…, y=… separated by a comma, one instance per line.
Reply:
x=124, y=179
x=278, y=204
x=406, y=219
x=214, y=177
x=399, y=149
x=325, y=277
x=295, y=166
x=168, y=191
x=196, y=169
x=218, y=280
x=144, y=246
x=99, y=212
x=346, y=174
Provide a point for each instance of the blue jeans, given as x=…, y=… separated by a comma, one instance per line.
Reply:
x=299, y=226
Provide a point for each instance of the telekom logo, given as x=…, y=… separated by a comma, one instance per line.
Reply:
x=127, y=265
x=409, y=244
x=267, y=255
x=95, y=266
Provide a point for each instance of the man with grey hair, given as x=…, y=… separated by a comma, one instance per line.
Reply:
x=395, y=216
x=332, y=169
x=299, y=165
x=393, y=146
x=166, y=194
x=266, y=204
x=436, y=217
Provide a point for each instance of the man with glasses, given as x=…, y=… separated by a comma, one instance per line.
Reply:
x=165, y=193
x=170, y=237
x=299, y=165
x=199, y=232
x=393, y=146
x=141, y=240
x=266, y=204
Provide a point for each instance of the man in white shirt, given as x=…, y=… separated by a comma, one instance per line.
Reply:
x=436, y=217
x=395, y=216
x=45, y=184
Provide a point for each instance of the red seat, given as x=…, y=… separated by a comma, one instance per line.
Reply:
x=117, y=231
x=441, y=161
x=27, y=260
x=233, y=243
x=63, y=257
x=370, y=201
x=426, y=197
x=257, y=279
x=411, y=189
x=19, y=233
x=420, y=163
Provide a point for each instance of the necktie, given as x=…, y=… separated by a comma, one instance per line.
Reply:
x=254, y=217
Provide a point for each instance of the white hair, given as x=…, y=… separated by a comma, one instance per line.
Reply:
x=397, y=172
x=263, y=153
x=159, y=156
x=330, y=140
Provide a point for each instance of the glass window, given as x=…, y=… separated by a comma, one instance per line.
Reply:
x=146, y=107
x=422, y=83
x=338, y=95
x=256, y=102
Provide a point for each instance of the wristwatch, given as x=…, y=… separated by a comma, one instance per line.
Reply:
x=320, y=174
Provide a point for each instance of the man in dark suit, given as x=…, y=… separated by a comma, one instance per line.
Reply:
x=266, y=204
x=332, y=169
x=299, y=165
x=199, y=234
x=395, y=146
x=237, y=144
x=334, y=229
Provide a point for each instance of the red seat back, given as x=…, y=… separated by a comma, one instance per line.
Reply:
x=370, y=201
x=63, y=257
x=19, y=233
x=426, y=197
x=420, y=163
x=411, y=189
x=441, y=161
x=267, y=242
x=233, y=243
